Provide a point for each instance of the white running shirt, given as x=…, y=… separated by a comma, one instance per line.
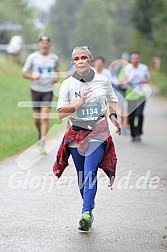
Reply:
x=71, y=90
x=46, y=66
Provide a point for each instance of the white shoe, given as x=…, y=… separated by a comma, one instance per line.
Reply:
x=41, y=144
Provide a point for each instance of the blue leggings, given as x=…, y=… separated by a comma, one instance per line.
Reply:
x=87, y=167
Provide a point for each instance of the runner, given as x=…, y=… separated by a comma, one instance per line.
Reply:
x=126, y=56
x=117, y=72
x=84, y=97
x=39, y=68
x=99, y=65
x=136, y=99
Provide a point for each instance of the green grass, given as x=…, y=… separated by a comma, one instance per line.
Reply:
x=160, y=80
x=17, y=130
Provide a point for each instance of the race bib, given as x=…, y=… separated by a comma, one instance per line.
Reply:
x=89, y=111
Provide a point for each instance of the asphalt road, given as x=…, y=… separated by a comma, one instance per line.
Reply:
x=39, y=213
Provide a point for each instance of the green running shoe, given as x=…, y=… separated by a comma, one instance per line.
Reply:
x=85, y=222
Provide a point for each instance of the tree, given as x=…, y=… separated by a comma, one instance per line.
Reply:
x=104, y=25
x=149, y=19
x=62, y=23
x=143, y=15
x=160, y=33
x=19, y=12
x=119, y=12
x=93, y=28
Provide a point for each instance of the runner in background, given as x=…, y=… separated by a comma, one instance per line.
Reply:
x=126, y=56
x=42, y=69
x=135, y=95
x=99, y=65
x=117, y=70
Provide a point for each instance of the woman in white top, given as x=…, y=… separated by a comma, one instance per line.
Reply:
x=84, y=96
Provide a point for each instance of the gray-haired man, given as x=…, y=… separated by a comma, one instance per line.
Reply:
x=42, y=69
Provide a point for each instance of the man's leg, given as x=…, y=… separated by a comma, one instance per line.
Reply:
x=131, y=117
x=37, y=121
x=139, y=113
x=36, y=110
x=46, y=98
x=45, y=102
x=44, y=121
x=123, y=110
x=44, y=129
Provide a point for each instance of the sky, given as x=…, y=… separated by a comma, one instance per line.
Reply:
x=41, y=4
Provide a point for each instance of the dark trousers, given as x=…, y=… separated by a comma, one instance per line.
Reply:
x=136, y=117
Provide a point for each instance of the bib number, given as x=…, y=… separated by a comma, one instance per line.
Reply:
x=89, y=111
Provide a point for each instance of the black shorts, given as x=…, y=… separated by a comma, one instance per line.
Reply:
x=41, y=99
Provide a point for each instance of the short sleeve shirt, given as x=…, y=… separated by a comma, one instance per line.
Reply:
x=137, y=74
x=71, y=90
x=45, y=66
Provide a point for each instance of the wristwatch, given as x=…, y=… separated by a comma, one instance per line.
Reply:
x=113, y=114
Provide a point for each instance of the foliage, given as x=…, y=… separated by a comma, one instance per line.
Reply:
x=62, y=22
x=18, y=12
x=94, y=27
x=149, y=19
x=103, y=25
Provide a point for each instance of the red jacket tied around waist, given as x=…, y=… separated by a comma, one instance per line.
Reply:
x=101, y=132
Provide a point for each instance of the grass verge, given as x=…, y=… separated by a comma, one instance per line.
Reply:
x=17, y=130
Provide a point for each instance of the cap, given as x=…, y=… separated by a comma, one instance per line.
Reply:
x=126, y=54
x=44, y=38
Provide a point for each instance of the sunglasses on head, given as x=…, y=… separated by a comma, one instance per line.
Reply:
x=80, y=48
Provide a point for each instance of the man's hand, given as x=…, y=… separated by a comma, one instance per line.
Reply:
x=55, y=79
x=120, y=82
x=116, y=123
x=35, y=76
x=145, y=81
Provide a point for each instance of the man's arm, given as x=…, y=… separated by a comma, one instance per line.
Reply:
x=145, y=81
x=27, y=67
x=147, y=76
x=56, y=70
x=30, y=76
x=56, y=77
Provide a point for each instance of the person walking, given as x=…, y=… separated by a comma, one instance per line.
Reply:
x=84, y=97
x=135, y=95
x=42, y=68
